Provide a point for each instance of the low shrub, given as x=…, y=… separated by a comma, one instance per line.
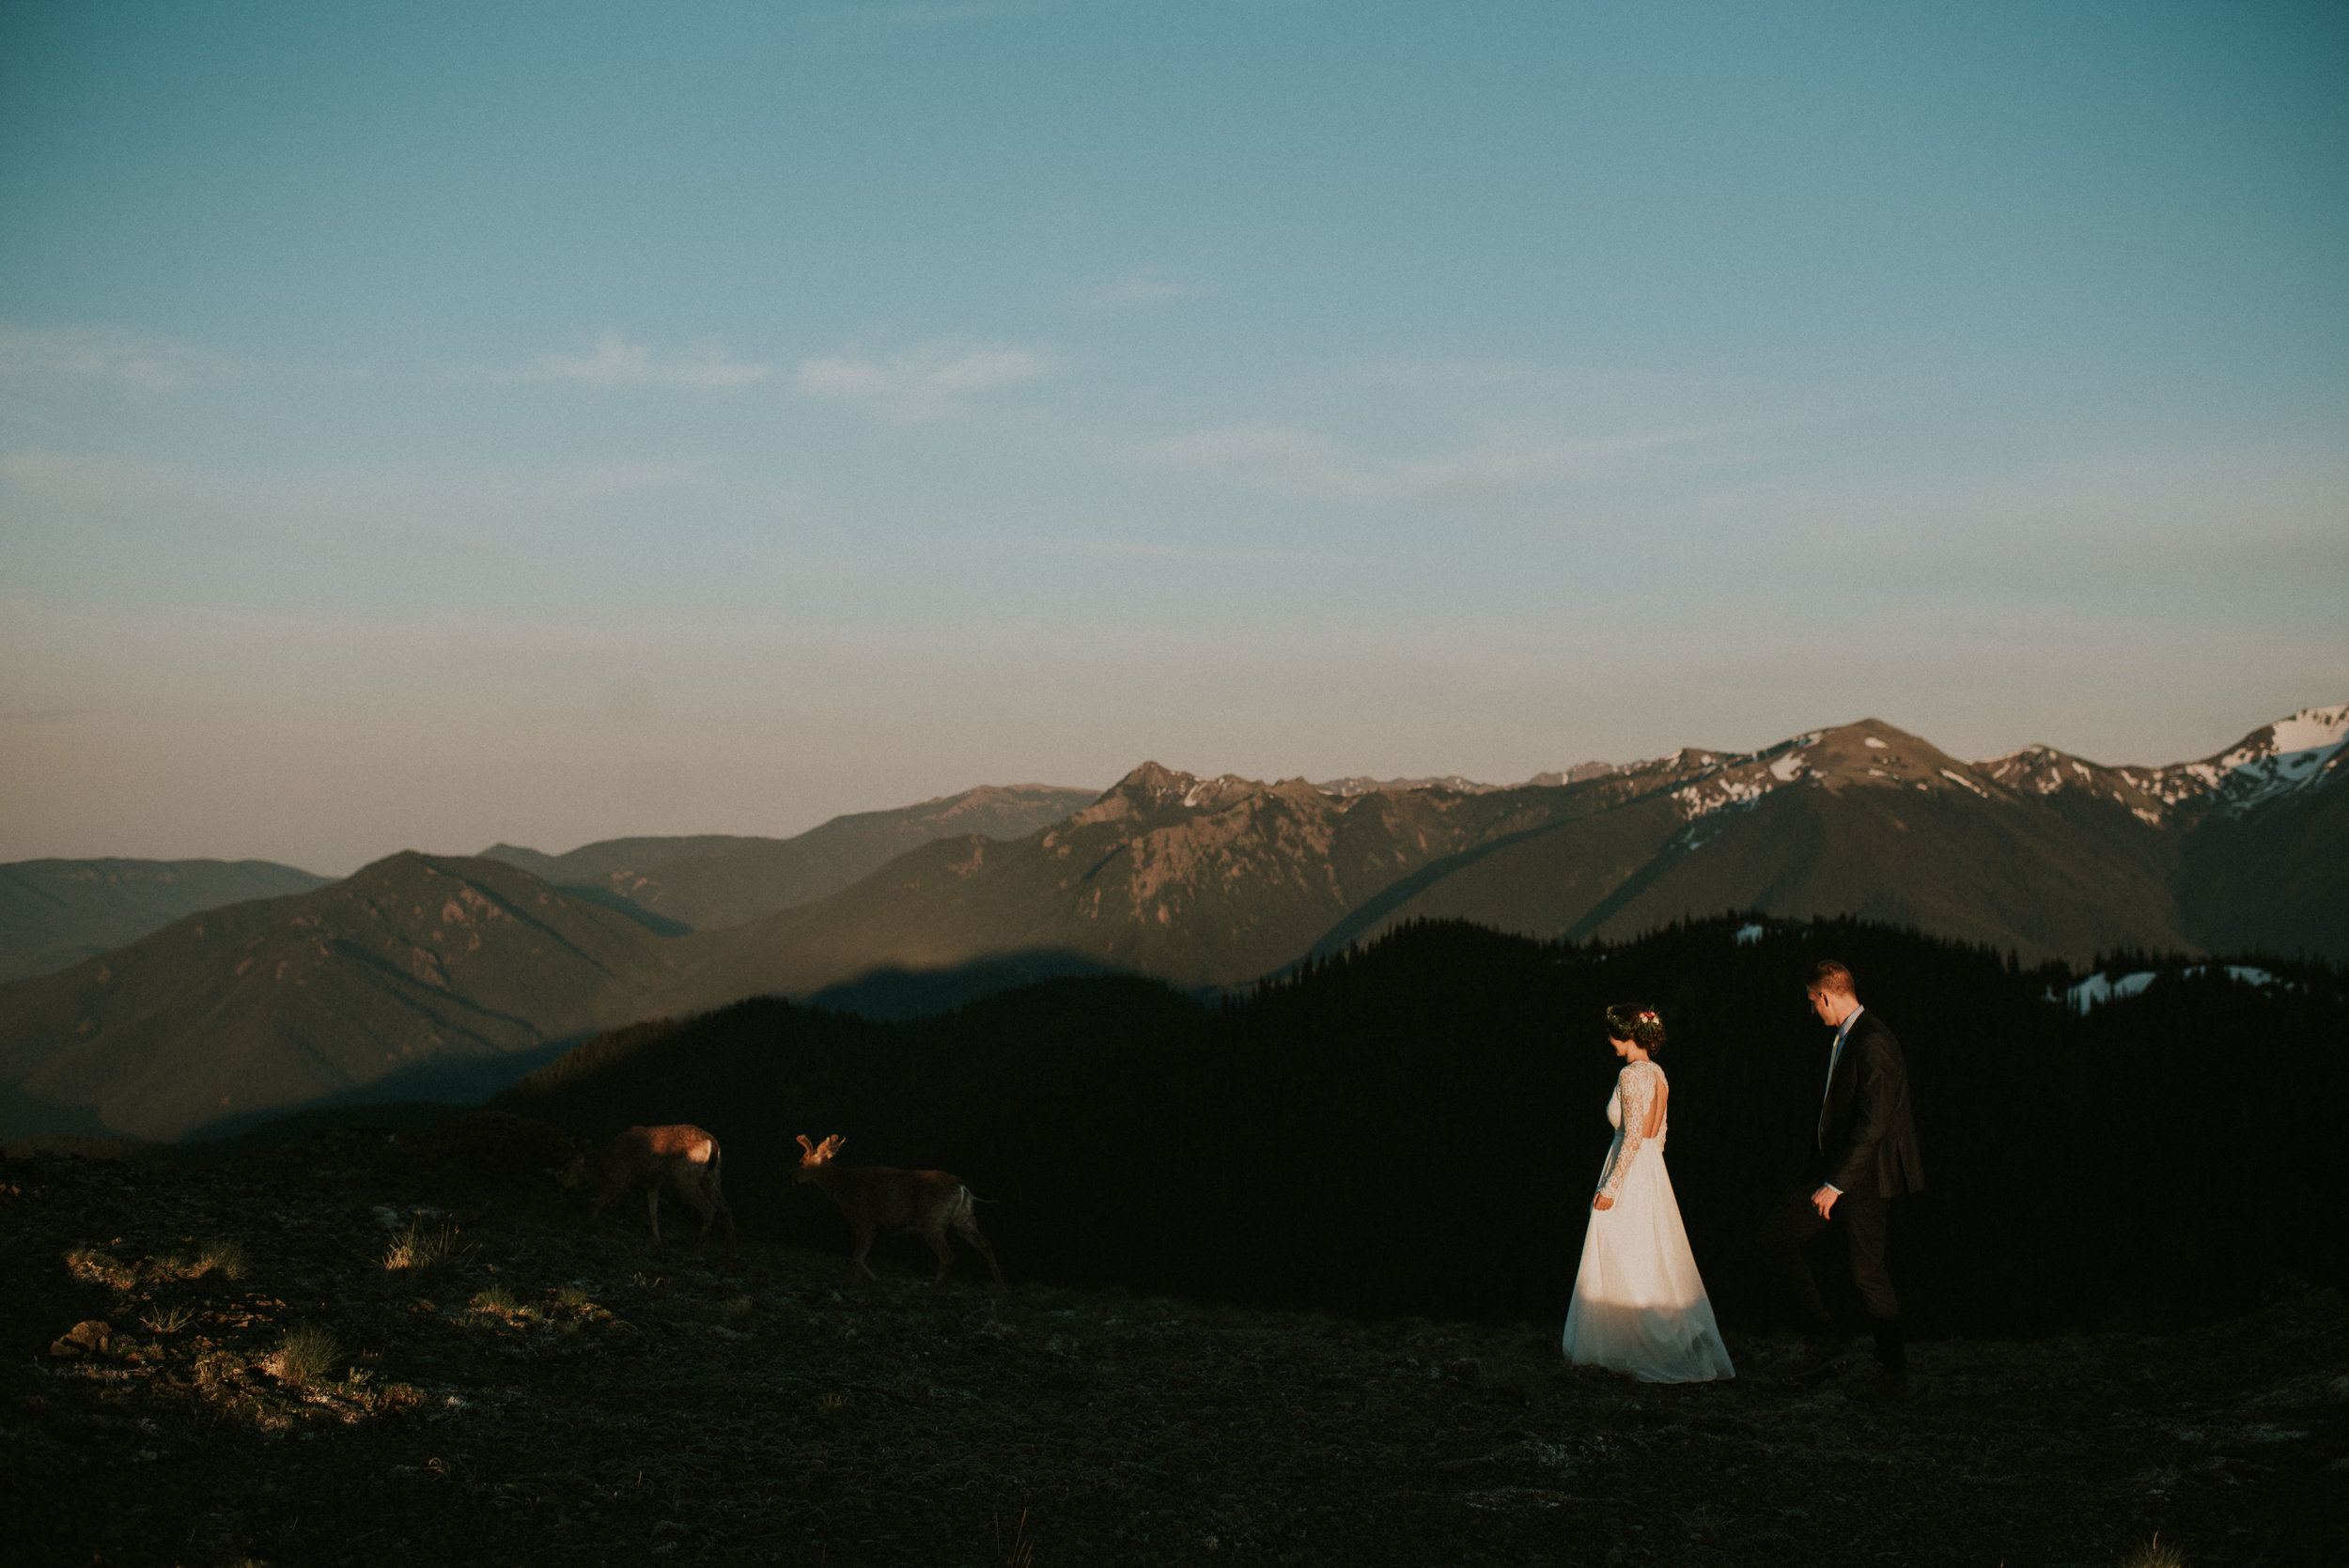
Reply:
x=306, y=1354
x=227, y=1259
x=421, y=1252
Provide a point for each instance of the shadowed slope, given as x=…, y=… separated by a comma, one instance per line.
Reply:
x=58, y=912
x=1196, y=881
x=279, y=1003
x=714, y=881
x=762, y=1072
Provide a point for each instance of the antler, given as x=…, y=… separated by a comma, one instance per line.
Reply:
x=806, y=1144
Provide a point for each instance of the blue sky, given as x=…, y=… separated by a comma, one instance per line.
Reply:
x=428, y=424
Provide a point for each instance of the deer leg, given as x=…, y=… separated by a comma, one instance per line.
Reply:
x=967, y=1227
x=718, y=1200
x=697, y=1197
x=856, y=1264
x=936, y=1236
x=652, y=1206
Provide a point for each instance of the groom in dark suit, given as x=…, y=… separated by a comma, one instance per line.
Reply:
x=1864, y=1155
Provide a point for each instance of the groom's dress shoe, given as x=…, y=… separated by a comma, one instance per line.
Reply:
x=1822, y=1358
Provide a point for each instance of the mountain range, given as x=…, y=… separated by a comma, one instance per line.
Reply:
x=58, y=912
x=712, y=881
x=423, y=971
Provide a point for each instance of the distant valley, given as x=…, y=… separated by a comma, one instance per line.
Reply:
x=441, y=977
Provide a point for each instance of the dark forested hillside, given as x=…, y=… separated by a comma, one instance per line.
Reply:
x=1417, y=1126
x=763, y=1072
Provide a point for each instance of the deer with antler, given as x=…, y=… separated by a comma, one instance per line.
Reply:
x=878, y=1198
x=680, y=1159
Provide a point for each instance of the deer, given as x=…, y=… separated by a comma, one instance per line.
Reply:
x=681, y=1158
x=877, y=1198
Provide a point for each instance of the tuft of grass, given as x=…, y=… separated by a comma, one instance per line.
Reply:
x=305, y=1354
x=93, y=1266
x=2154, y=1554
x=497, y=1299
x=1021, y=1552
x=166, y=1320
x=228, y=1259
x=573, y=1295
x=422, y=1250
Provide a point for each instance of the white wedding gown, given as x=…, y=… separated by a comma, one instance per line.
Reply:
x=1639, y=1303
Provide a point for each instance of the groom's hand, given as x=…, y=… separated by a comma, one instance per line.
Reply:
x=1824, y=1201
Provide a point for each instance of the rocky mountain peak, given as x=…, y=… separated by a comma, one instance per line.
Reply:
x=2305, y=751
x=1155, y=790
x=1362, y=785
x=1873, y=753
x=1870, y=754
x=2043, y=771
x=2299, y=751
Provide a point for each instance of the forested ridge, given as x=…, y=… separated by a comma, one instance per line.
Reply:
x=1415, y=1125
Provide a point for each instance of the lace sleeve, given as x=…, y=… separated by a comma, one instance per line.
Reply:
x=1635, y=1086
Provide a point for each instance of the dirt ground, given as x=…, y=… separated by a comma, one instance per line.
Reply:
x=542, y=1391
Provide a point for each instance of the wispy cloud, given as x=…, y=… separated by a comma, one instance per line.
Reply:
x=931, y=380
x=1300, y=463
x=616, y=362
x=1146, y=550
x=1142, y=287
x=466, y=511
x=951, y=13
x=107, y=355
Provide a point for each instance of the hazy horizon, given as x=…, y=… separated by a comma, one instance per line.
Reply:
x=435, y=424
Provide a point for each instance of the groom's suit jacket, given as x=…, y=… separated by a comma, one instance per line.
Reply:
x=1867, y=1142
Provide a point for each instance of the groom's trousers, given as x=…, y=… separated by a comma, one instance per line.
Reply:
x=1793, y=1221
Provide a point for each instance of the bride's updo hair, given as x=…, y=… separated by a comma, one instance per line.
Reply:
x=1639, y=1024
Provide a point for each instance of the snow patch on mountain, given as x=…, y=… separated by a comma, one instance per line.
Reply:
x=2098, y=988
x=2289, y=754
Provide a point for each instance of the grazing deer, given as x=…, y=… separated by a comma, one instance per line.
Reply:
x=682, y=1159
x=878, y=1198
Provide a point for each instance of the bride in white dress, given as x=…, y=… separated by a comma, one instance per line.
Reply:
x=1639, y=1303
